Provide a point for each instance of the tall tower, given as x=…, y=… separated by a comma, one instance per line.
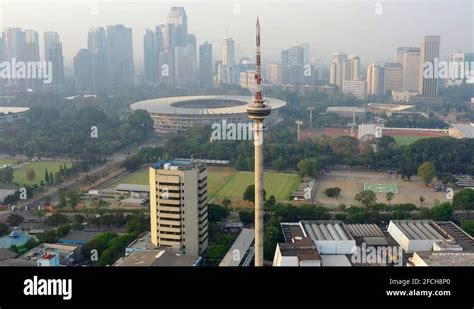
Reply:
x=429, y=53
x=257, y=110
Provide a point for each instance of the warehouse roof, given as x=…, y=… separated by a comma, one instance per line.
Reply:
x=420, y=229
x=326, y=230
x=364, y=230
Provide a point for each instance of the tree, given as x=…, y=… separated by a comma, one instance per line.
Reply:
x=309, y=167
x=389, y=197
x=47, y=199
x=56, y=220
x=464, y=200
x=426, y=172
x=51, y=178
x=14, y=220
x=62, y=203
x=468, y=226
x=226, y=203
x=30, y=174
x=366, y=197
x=40, y=214
x=73, y=198
x=138, y=224
x=442, y=212
x=215, y=253
x=217, y=213
x=333, y=192
x=46, y=176
x=6, y=175
x=249, y=194
x=422, y=199
x=4, y=229
x=246, y=217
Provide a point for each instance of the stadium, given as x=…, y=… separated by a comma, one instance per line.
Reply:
x=176, y=114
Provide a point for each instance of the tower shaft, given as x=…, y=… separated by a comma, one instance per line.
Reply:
x=259, y=212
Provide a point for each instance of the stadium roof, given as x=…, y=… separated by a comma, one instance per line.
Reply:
x=201, y=105
x=466, y=129
x=13, y=110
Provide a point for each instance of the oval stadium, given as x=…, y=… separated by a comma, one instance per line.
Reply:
x=176, y=114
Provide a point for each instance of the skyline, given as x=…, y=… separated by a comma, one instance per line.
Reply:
x=224, y=22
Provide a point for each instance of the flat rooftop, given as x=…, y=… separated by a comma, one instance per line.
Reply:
x=460, y=236
x=80, y=237
x=364, y=230
x=156, y=258
x=133, y=188
x=437, y=258
x=420, y=229
x=326, y=230
x=242, y=244
x=303, y=249
x=143, y=243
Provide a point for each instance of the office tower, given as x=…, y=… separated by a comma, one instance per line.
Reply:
x=228, y=50
x=2, y=58
x=355, y=87
x=96, y=40
x=53, y=51
x=205, y=65
x=429, y=52
x=273, y=73
x=149, y=57
x=119, y=56
x=461, y=68
x=375, y=80
x=83, y=70
x=176, y=28
x=166, y=61
x=409, y=58
x=392, y=77
x=248, y=80
x=32, y=55
x=336, y=69
x=178, y=207
x=355, y=67
x=305, y=47
x=14, y=48
x=292, y=65
x=258, y=111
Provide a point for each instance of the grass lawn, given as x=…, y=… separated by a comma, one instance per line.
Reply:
x=217, y=177
x=19, y=175
x=406, y=140
x=8, y=162
x=136, y=178
x=278, y=184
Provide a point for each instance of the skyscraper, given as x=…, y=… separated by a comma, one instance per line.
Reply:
x=205, y=65
x=15, y=47
x=119, y=56
x=149, y=56
x=176, y=32
x=292, y=65
x=97, y=40
x=374, y=80
x=392, y=77
x=409, y=58
x=97, y=47
x=429, y=51
x=53, y=51
x=178, y=207
x=32, y=55
x=83, y=70
x=228, y=50
x=273, y=73
x=336, y=69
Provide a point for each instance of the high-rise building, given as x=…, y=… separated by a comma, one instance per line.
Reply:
x=205, y=65
x=336, y=69
x=166, y=61
x=273, y=73
x=392, y=77
x=178, y=207
x=429, y=52
x=461, y=68
x=149, y=57
x=15, y=48
x=176, y=29
x=83, y=70
x=119, y=56
x=292, y=65
x=97, y=40
x=375, y=80
x=53, y=51
x=32, y=54
x=409, y=58
x=228, y=49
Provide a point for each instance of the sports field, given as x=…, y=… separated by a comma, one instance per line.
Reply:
x=19, y=175
x=381, y=188
x=406, y=140
x=8, y=162
x=278, y=184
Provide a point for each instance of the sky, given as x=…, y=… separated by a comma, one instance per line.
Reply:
x=371, y=29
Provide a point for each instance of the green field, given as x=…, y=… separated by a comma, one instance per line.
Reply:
x=227, y=182
x=19, y=175
x=8, y=162
x=406, y=140
x=278, y=184
x=381, y=188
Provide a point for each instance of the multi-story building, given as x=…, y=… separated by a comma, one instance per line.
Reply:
x=375, y=79
x=83, y=70
x=461, y=68
x=53, y=52
x=409, y=58
x=336, y=69
x=429, y=52
x=356, y=88
x=119, y=56
x=228, y=51
x=273, y=73
x=205, y=65
x=392, y=77
x=178, y=207
x=292, y=65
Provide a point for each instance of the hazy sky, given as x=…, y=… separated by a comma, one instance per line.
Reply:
x=348, y=26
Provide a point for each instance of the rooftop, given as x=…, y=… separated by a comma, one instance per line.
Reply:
x=78, y=237
x=157, y=258
x=132, y=187
x=13, y=110
x=326, y=230
x=6, y=254
x=420, y=229
x=242, y=244
x=460, y=236
x=364, y=230
x=455, y=258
